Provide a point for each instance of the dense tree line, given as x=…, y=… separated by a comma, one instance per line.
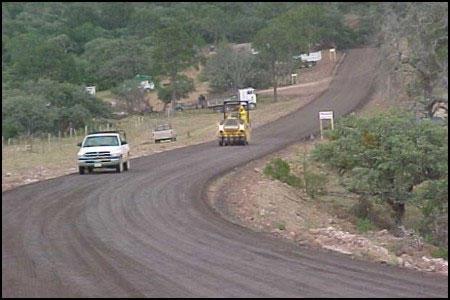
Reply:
x=108, y=44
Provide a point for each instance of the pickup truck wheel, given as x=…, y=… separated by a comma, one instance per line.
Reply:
x=81, y=170
x=119, y=167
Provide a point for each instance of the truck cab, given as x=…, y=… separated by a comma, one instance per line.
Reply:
x=104, y=149
x=248, y=94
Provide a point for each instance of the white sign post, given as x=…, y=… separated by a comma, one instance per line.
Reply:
x=294, y=78
x=333, y=54
x=325, y=115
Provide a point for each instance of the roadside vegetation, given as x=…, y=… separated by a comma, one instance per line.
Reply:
x=394, y=164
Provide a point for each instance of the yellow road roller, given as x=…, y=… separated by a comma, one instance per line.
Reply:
x=235, y=128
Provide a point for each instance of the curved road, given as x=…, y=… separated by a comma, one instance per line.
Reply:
x=150, y=233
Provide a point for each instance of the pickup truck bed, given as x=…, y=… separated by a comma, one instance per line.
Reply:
x=164, y=132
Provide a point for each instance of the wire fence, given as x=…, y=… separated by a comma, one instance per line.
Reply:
x=137, y=128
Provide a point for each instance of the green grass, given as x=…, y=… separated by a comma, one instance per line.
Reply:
x=281, y=226
x=279, y=169
x=440, y=253
x=364, y=225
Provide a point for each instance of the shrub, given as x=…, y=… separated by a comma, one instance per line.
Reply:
x=279, y=169
x=384, y=157
x=363, y=225
x=440, y=252
x=315, y=184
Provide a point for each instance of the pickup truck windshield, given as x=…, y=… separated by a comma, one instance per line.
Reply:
x=98, y=141
x=163, y=127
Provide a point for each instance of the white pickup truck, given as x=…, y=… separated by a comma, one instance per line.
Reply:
x=104, y=149
x=164, y=132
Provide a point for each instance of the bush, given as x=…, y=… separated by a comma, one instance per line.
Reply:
x=280, y=170
x=364, y=225
x=315, y=184
x=440, y=252
x=387, y=156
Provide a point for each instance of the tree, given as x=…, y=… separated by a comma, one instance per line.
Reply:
x=229, y=69
x=386, y=156
x=180, y=88
x=276, y=47
x=174, y=52
x=111, y=61
x=66, y=100
x=130, y=92
x=115, y=15
x=26, y=114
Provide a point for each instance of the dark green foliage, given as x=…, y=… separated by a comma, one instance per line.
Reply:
x=107, y=43
x=280, y=170
x=393, y=158
x=364, y=225
x=48, y=106
x=242, y=70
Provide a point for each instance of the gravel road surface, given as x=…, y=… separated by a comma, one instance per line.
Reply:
x=150, y=233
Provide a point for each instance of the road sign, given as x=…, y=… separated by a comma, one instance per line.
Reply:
x=325, y=115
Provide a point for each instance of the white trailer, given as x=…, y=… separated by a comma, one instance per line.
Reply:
x=247, y=94
x=310, y=59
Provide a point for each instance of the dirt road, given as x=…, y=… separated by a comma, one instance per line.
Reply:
x=150, y=233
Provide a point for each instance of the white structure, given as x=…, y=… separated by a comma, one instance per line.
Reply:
x=91, y=90
x=333, y=54
x=146, y=85
x=294, y=78
x=325, y=115
x=313, y=56
x=248, y=94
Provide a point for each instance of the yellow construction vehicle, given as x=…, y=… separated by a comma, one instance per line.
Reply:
x=235, y=128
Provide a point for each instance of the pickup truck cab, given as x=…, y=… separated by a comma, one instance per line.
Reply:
x=104, y=149
x=164, y=132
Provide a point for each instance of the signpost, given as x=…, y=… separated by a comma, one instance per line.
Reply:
x=325, y=115
x=294, y=78
x=333, y=54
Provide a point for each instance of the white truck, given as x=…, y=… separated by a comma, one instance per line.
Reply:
x=247, y=94
x=104, y=149
x=164, y=132
x=310, y=59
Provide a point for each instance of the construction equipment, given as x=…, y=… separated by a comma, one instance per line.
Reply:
x=235, y=129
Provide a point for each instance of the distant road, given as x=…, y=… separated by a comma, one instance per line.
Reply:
x=150, y=233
